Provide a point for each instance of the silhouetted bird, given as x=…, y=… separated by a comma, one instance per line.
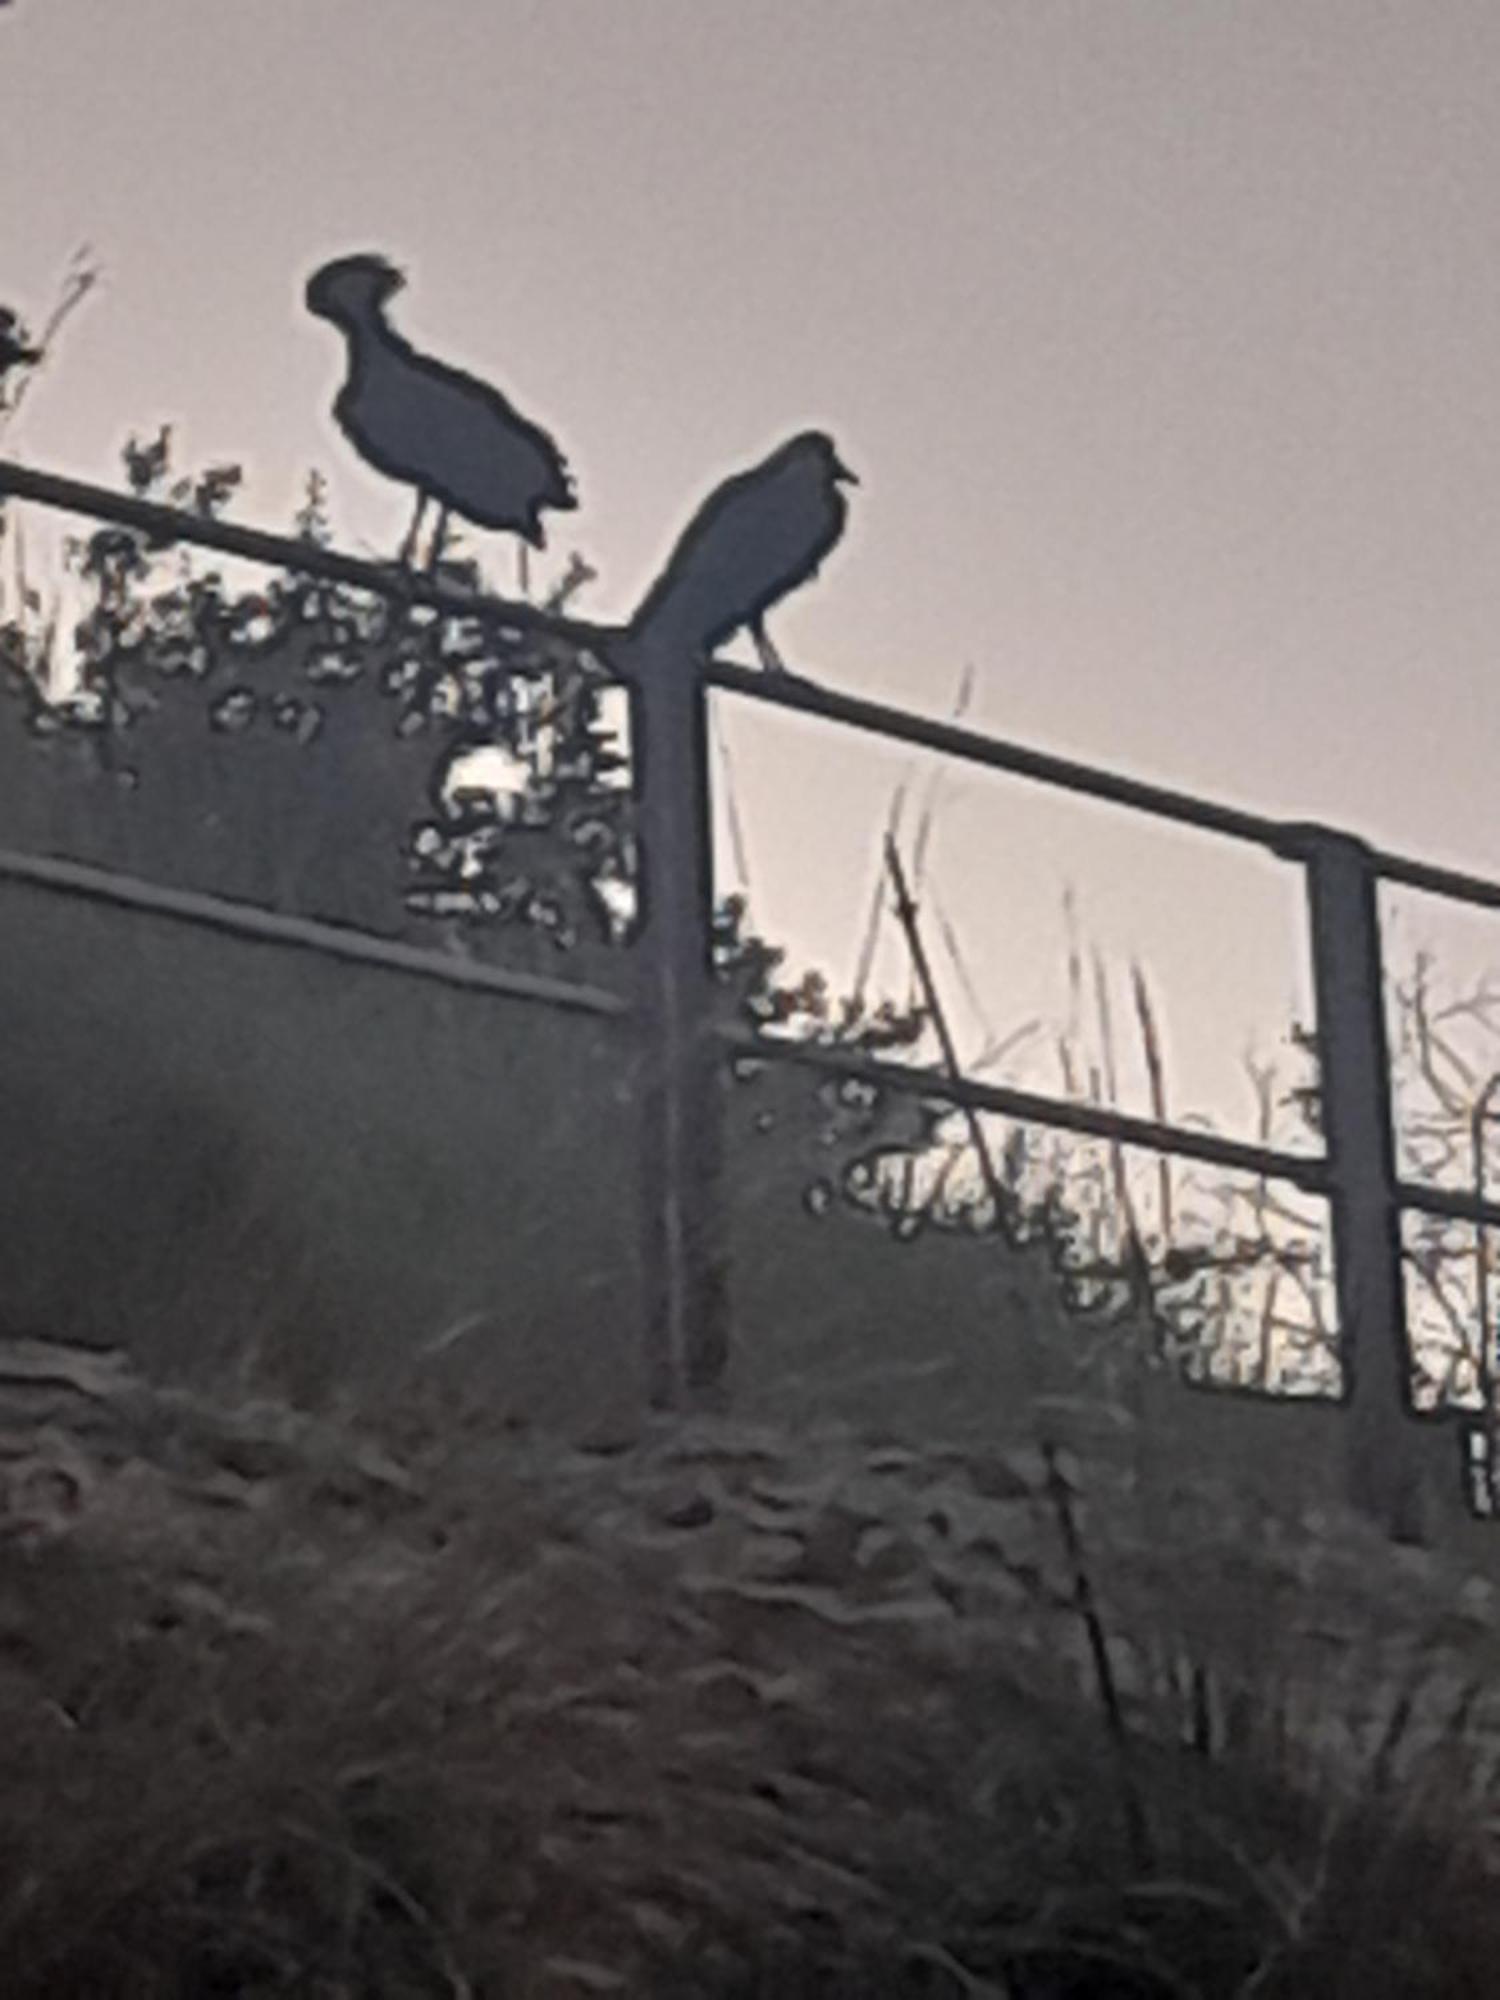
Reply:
x=455, y=439
x=759, y=536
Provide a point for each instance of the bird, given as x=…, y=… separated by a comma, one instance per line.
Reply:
x=757, y=537
x=455, y=439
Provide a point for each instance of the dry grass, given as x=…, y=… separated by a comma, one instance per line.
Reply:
x=332, y=1710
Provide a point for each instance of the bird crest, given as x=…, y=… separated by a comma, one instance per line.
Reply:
x=350, y=286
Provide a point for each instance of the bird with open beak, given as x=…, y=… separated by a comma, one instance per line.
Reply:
x=758, y=537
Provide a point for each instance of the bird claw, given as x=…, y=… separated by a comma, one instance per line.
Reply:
x=770, y=660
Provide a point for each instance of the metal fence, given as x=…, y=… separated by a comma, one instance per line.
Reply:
x=686, y=1324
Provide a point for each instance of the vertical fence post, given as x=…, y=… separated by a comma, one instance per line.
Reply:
x=1482, y=1437
x=685, y=1246
x=1358, y=1131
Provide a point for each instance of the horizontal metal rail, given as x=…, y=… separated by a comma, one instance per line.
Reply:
x=1288, y=840
x=1309, y=1172
x=1454, y=1204
x=1306, y=1171
x=387, y=580
x=220, y=913
x=792, y=691
x=1449, y=883
x=805, y=697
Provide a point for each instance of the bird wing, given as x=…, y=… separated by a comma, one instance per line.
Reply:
x=453, y=436
x=700, y=574
x=535, y=449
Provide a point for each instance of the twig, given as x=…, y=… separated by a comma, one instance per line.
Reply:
x=737, y=844
x=906, y=910
x=866, y=961
x=1155, y=1073
x=954, y=949
x=1483, y=1110
x=80, y=281
x=1061, y=1494
x=935, y=783
x=1074, y=1025
x=1141, y=1288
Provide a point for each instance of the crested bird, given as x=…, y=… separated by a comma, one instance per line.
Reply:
x=455, y=439
x=757, y=537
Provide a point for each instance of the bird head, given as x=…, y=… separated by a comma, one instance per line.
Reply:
x=352, y=288
x=820, y=448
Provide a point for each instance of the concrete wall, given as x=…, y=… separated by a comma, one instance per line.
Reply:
x=213, y=1150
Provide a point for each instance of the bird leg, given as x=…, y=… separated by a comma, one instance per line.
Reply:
x=770, y=660
x=409, y=547
x=439, y=539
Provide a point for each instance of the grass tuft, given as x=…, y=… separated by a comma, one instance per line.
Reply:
x=296, y=1707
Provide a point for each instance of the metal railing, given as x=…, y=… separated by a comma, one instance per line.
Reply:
x=686, y=1318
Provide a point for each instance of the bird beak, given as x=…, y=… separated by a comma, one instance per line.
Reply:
x=842, y=472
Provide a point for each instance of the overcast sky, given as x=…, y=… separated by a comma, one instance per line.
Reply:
x=1164, y=335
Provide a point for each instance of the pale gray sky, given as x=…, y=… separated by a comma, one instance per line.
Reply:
x=1165, y=335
